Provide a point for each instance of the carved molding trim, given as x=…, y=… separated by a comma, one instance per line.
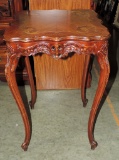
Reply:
x=56, y=49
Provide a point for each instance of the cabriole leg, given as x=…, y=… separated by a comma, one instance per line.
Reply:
x=104, y=75
x=31, y=81
x=11, y=79
x=84, y=81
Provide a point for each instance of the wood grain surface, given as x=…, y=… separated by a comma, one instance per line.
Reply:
x=52, y=74
x=59, y=4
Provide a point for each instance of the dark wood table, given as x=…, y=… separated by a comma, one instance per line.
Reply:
x=57, y=33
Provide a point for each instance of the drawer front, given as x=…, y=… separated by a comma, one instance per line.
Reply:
x=4, y=8
x=3, y=60
x=4, y=3
x=3, y=56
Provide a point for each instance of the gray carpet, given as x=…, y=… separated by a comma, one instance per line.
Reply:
x=60, y=125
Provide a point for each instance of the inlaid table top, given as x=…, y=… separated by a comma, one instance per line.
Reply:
x=56, y=25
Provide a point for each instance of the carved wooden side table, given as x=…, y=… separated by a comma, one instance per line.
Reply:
x=56, y=33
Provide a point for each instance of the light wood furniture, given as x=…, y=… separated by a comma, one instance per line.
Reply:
x=63, y=73
x=59, y=4
x=18, y=6
x=57, y=33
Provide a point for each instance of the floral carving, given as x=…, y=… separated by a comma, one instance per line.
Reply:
x=55, y=49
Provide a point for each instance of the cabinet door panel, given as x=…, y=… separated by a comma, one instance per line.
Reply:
x=59, y=4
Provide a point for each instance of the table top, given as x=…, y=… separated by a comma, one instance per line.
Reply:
x=56, y=25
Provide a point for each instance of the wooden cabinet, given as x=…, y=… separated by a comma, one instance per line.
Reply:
x=7, y=11
x=21, y=73
x=3, y=61
x=63, y=73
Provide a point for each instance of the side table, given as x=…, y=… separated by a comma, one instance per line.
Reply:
x=56, y=33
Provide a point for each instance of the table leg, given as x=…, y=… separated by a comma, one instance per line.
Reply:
x=104, y=75
x=11, y=79
x=84, y=81
x=31, y=81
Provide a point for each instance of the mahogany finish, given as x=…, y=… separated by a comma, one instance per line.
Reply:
x=57, y=33
x=64, y=73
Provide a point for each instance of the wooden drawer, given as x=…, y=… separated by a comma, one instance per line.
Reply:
x=3, y=1
x=3, y=60
x=3, y=56
x=4, y=8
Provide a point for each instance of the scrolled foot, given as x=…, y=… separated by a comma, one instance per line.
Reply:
x=31, y=105
x=24, y=146
x=85, y=102
x=94, y=144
